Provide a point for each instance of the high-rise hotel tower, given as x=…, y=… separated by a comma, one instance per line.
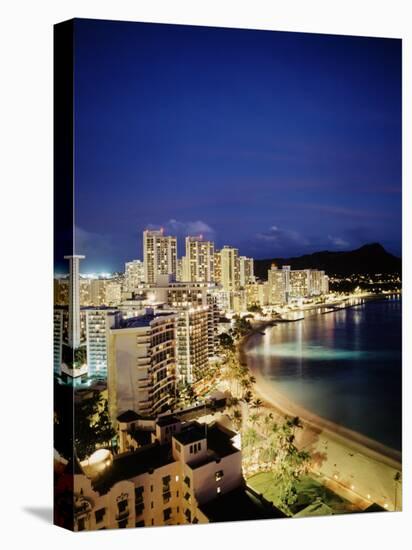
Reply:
x=74, y=300
x=199, y=263
x=229, y=268
x=159, y=254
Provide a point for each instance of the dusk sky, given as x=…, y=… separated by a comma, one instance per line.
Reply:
x=277, y=143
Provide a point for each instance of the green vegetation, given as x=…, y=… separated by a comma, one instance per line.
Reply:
x=255, y=308
x=265, y=443
x=308, y=490
x=241, y=327
x=272, y=446
x=86, y=426
x=226, y=341
x=92, y=426
x=74, y=357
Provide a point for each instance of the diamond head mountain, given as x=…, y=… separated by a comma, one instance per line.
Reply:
x=370, y=258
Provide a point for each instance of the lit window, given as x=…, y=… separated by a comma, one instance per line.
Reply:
x=219, y=475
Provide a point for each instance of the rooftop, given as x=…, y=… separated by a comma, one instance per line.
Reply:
x=219, y=441
x=142, y=437
x=219, y=445
x=128, y=416
x=98, y=308
x=141, y=320
x=129, y=465
x=167, y=420
x=190, y=433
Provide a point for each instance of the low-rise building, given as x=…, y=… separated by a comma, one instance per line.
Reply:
x=166, y=482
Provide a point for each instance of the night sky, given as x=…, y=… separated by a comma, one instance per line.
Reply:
x=277, y=143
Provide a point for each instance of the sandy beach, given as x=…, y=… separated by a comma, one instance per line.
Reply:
x=361, y=469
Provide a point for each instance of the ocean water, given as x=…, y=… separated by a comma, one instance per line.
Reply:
x=344, y=366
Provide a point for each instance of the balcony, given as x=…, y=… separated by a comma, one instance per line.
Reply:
x=122, y=514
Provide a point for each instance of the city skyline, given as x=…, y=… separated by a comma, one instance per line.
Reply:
x=181, y=256
x=223, y=123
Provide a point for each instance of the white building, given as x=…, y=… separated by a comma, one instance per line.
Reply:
x=246, y=271
x=74, y=300
x=159, y=255
x=58, y=319
x=98, y=292
x=113, y=292
x=257, y=294
x=199, y=262
x=98, y=323
x=142, y=364
x=179, y=269
x=325, y=284
x=229, y=268
x=133, y=274
x=286, y=283
x=167, y=482
x=192, y=343
x=278, y=285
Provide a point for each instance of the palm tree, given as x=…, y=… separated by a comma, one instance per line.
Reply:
x=257, y=403
x=250, y=438
x=254, y=418
x=267, y=421
x=237, y=419
x=296, y=422
x=232, y=402
x=245, y=383
x=247, y=397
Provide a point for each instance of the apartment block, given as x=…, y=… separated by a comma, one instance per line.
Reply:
x=142, y=364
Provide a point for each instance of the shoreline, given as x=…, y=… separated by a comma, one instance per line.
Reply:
x=333, y=307
x=284, y=406
x=333, y=447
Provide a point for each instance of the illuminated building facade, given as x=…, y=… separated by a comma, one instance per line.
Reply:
x=199, y=262
x=98, y=323
x=159, y=255
x=113, y=292
x=169, y=481
x=133, y=274
x=287, y=283
x=218, y=267
x=229, y=268
x=142, y=364
x=192, y=337
x=257, y=294
x=278, y=284
x=246, y=271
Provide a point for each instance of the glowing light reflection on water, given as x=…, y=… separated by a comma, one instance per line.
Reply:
x=344, y=366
